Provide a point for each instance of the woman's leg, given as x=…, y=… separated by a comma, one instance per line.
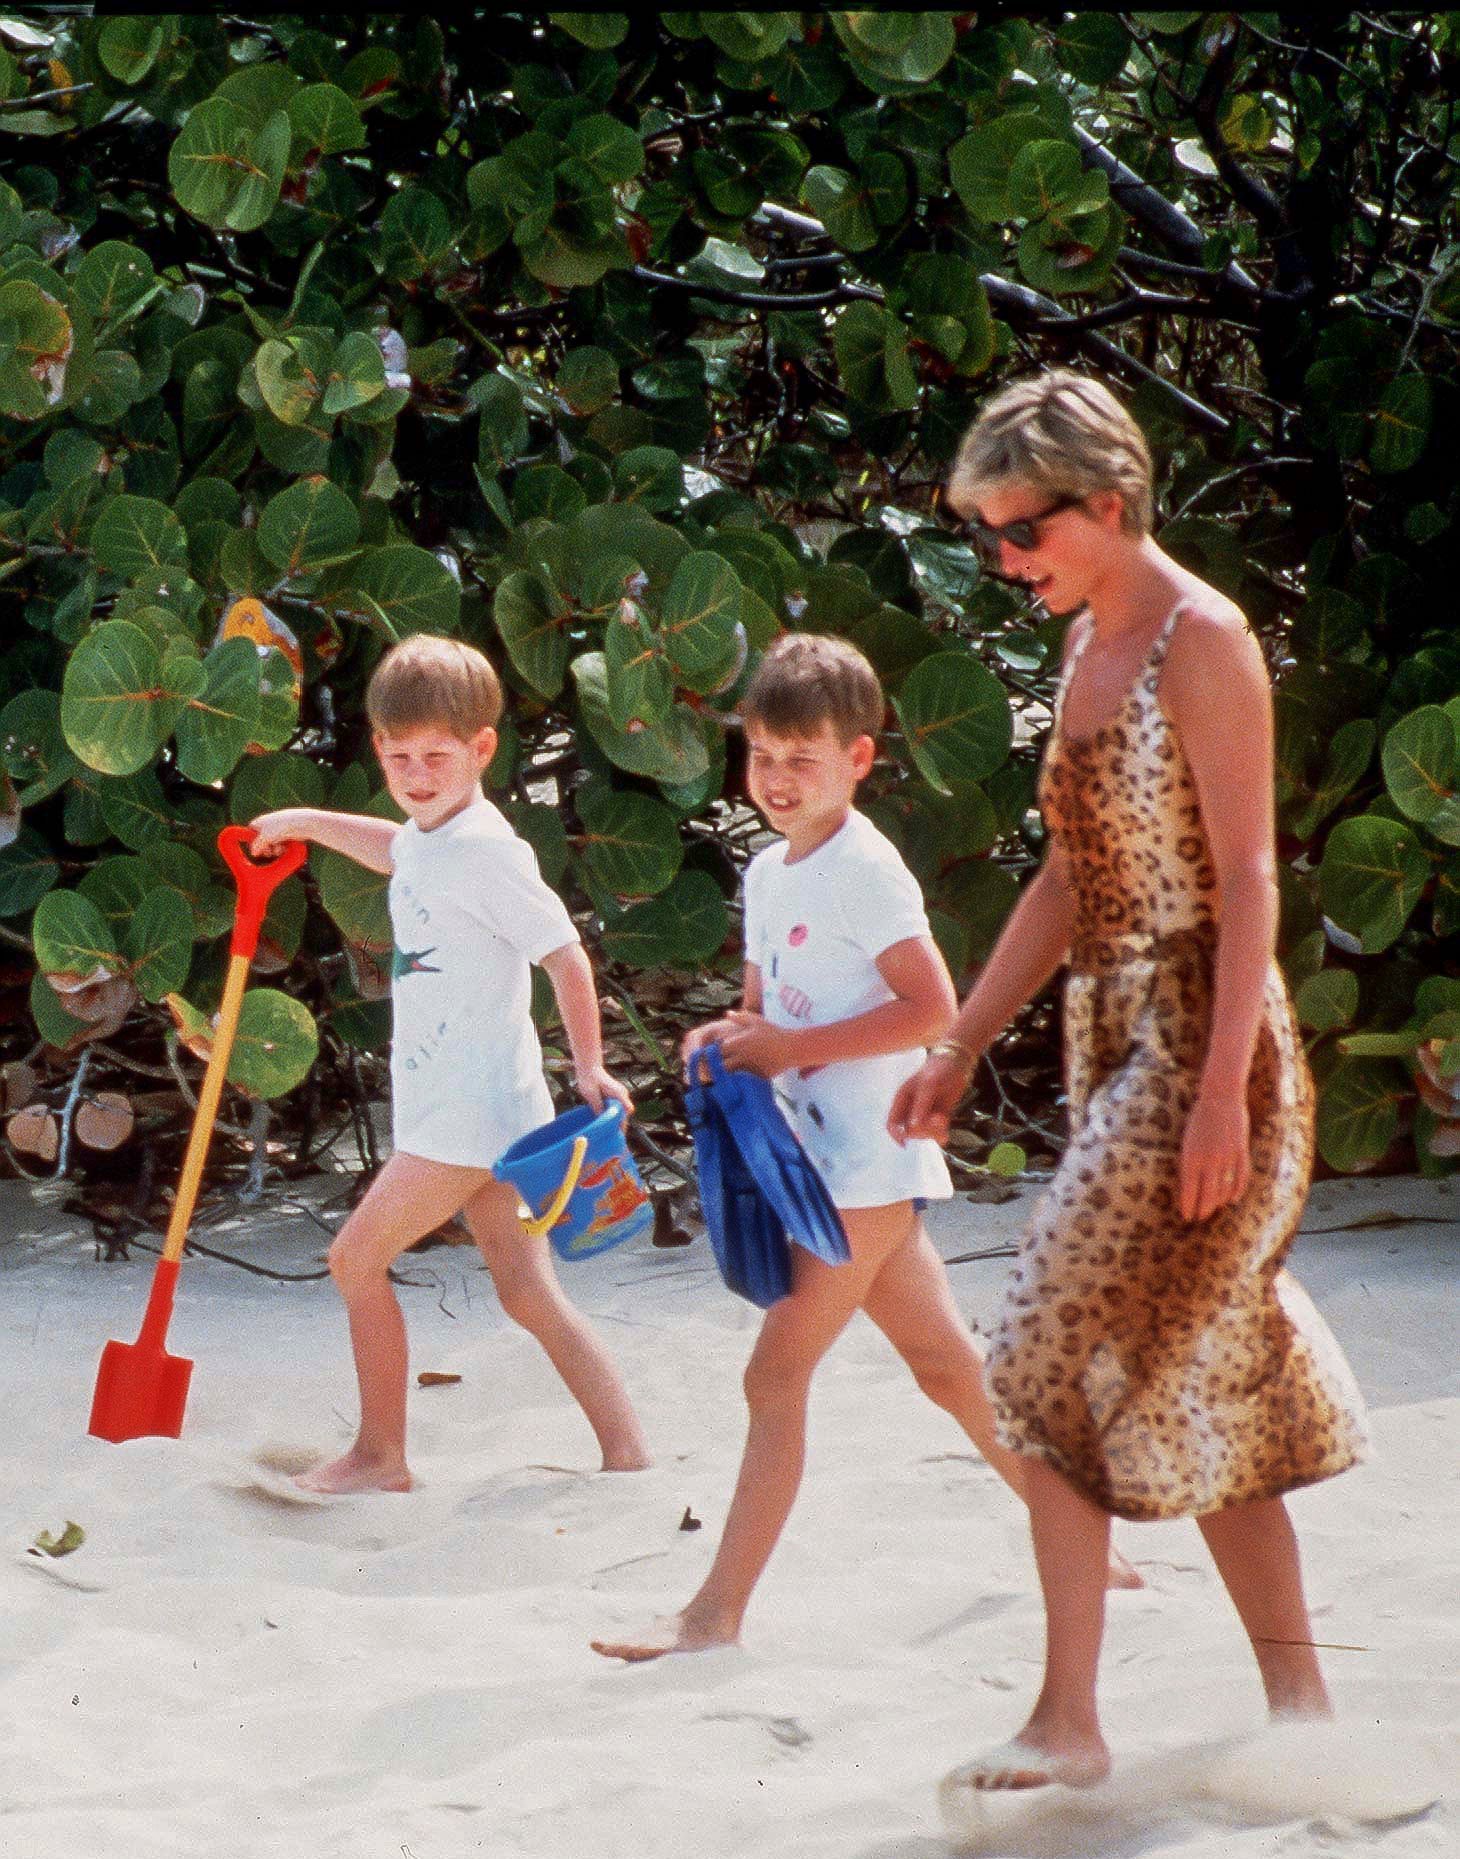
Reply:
x=527, y=1285
x=409, y=1198
x=796, y=1334
x=1256, y=1553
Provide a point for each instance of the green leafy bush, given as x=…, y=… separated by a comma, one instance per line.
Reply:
x=620, y=344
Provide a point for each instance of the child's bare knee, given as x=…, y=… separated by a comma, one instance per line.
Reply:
x=774, y=1378
x=524, y=1298
x=350, y=1264
x=942, y=1381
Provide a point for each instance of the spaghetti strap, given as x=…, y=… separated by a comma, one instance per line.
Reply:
x=1162, y=646
x=1076, y=654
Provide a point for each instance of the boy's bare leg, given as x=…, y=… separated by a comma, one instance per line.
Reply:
x=409, y=1198
x=796, y=1334
x=911, y=1302
x=1256, y=1553
x=528, y=1288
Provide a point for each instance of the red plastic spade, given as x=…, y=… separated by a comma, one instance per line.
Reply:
x=141, y=1390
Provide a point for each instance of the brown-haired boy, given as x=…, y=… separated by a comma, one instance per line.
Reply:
x=470, y=914
x=844, y=988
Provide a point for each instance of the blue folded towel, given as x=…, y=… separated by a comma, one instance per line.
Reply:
x=759, y=1188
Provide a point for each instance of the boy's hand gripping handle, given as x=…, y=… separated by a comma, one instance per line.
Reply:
x=256, y=883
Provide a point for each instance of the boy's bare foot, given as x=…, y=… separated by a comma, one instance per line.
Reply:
x=1020, y=1765
x=354, y=1473
x=677, y=1634
x=632, y=1460
x=1121, y=1573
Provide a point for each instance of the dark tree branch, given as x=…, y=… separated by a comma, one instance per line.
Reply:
x=1389, y=166
x=1247, y=189
x=1027, y=307
x=812, y=261
x=1408, y=317
x=1255, y=467
x=1042, y=315
x=44, y=96
x=1164, y=267
x=1038, y=314
x=1175, y=228
x=1139, y=303
x=760, y=300
x=786, y=219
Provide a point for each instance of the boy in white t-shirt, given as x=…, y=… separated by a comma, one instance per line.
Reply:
x=844, y=988
x=469, y=914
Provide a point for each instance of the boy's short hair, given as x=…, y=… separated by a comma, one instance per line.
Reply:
x=427, y=681
x=1064, y=435
x=807, y=679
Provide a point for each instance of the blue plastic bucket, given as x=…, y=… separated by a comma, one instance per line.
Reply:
x=608, y=1205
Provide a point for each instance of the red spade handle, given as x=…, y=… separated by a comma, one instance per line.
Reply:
x=256, y=882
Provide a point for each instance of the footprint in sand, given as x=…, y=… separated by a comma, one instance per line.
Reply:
x=1331, y=1773
x=270, y=1473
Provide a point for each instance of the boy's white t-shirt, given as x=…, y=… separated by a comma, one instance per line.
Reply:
x=470, y=914
x=814, y=929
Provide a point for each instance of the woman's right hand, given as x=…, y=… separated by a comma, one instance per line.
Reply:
x=925, y=1103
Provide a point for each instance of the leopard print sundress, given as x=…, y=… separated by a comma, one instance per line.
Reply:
x=1167, y=1368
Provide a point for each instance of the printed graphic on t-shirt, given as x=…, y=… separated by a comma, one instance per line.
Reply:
x=429, y=1045
x=799, y=1005
x=411, y=962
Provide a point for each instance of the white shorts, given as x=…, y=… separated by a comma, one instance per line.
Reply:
x=842, y=1125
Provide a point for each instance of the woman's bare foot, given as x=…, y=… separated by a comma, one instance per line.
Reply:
x=678, y=1634
x=1019, y=1764
x=1122, y=1573
x=353, y=1472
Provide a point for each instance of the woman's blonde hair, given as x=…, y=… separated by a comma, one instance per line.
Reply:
x=428, y=682
x=1062, y=434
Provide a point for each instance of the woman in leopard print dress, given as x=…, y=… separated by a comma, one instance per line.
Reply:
x=1152, y=1358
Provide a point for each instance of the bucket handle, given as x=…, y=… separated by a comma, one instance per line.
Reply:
x=540, y=1223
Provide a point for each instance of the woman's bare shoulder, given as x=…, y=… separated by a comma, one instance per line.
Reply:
x=1212, y=634
x=1214, y=672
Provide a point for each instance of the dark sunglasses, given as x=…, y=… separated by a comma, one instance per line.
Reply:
x=1023, y=534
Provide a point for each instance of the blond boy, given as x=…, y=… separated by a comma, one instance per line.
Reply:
x=470, y=914
x=844, y=988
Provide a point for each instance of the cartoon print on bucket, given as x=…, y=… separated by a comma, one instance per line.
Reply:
x=608, y=1204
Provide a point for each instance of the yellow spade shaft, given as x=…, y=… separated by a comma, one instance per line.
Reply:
x=207, y=1111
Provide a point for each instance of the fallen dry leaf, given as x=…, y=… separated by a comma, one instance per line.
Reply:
x=70, y=1540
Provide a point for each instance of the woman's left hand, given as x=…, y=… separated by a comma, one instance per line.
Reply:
x=749, y=1043
x=1216, y=1154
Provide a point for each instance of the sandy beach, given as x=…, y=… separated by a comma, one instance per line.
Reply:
x=226, y=1668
